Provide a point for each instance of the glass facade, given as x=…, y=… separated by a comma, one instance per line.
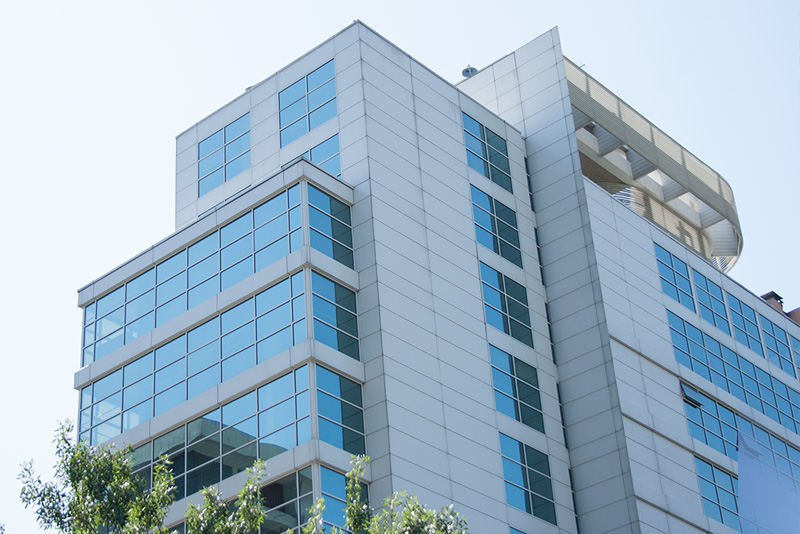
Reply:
x=216, y=262
x=331, y=230
x=222, y=347
x=674, y=275
x=258, y=425
x=307, y=103
x=335, y=319
x=715, y=362
x=341, y=414
x=527, y=477
x=718, y=490
x=777, y=344
x=223, y=155
x=227, y=440
x=745, y=324
x=487, y=152
x=505, y=303
x=711, y=302
x=496, y=226
x=717, y=426
x=516, y=389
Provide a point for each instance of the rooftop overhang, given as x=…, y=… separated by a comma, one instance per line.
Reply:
x=619, y=146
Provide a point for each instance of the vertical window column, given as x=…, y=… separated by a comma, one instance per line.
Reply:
x=487, y=152
x=223, y=155
x=516, y=389
x=307, y=103
x=496, y=226
x=505, y=303
x=527, y=476
x=335, y=316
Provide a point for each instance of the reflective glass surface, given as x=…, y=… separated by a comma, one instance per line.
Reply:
x=674, y=275
x=516, y=389
x=777, y=344
x=711, y=302
x=745, y=325
x=223, y=155
x=496, y=226
x=487, y=152
x=335, y=319
x=307, y=103
x=719, y=490
x=718, y=426
x=193, y=275
x=341, y=414
x=227, y=440
x=527, y=479
x=717, y=363
x=331, y=232
x=226, y=345
x=506, y=305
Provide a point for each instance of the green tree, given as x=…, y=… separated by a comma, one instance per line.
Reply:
x=95, y=488
x=217, y=516
x=401, y=513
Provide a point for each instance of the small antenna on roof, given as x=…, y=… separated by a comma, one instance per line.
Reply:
x=469, y=72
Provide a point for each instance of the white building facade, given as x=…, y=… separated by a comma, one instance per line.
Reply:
x=509, y=293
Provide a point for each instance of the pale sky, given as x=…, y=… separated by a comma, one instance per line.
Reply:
x=94, y=94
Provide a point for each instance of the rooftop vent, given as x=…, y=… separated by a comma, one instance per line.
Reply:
x=469, y=72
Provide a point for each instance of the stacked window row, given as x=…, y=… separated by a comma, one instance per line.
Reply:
x=487, y=152
x=496, y=226
x=198, y=360
x=218, y=261
x=307, y=103
x=236, y=340
x=782, y=349
x=527, y=478
x=516, y=389
x=288, y=499
x=258, y=425
x=719, y=490
x=505, y=303
x=223, y=155
x=717, y=426
x=717, y=363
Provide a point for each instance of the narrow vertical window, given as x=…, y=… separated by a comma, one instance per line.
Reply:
x=223, y=155
x=487, y=152
x=307, y=103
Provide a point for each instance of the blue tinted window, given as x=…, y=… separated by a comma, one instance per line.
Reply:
x=506, y=304
x=496, y=226
x=718, y=491
x=487, y=152
x=674, y=277
x=223, y=155
x=717, y=363
x=777, y=344
x=745, y=329
x=527, y=475
x=307, y=103
x=191, y=362
x=335, y=322
x=516, y=389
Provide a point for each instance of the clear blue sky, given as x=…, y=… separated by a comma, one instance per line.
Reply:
x=94, y=93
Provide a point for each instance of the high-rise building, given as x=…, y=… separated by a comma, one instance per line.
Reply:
x=509, y=293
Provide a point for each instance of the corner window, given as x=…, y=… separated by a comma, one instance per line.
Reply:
x=516, y=389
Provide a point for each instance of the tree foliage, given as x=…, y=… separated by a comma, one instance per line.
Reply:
x=217, y=516
x=95, y=488
x=400, y=514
